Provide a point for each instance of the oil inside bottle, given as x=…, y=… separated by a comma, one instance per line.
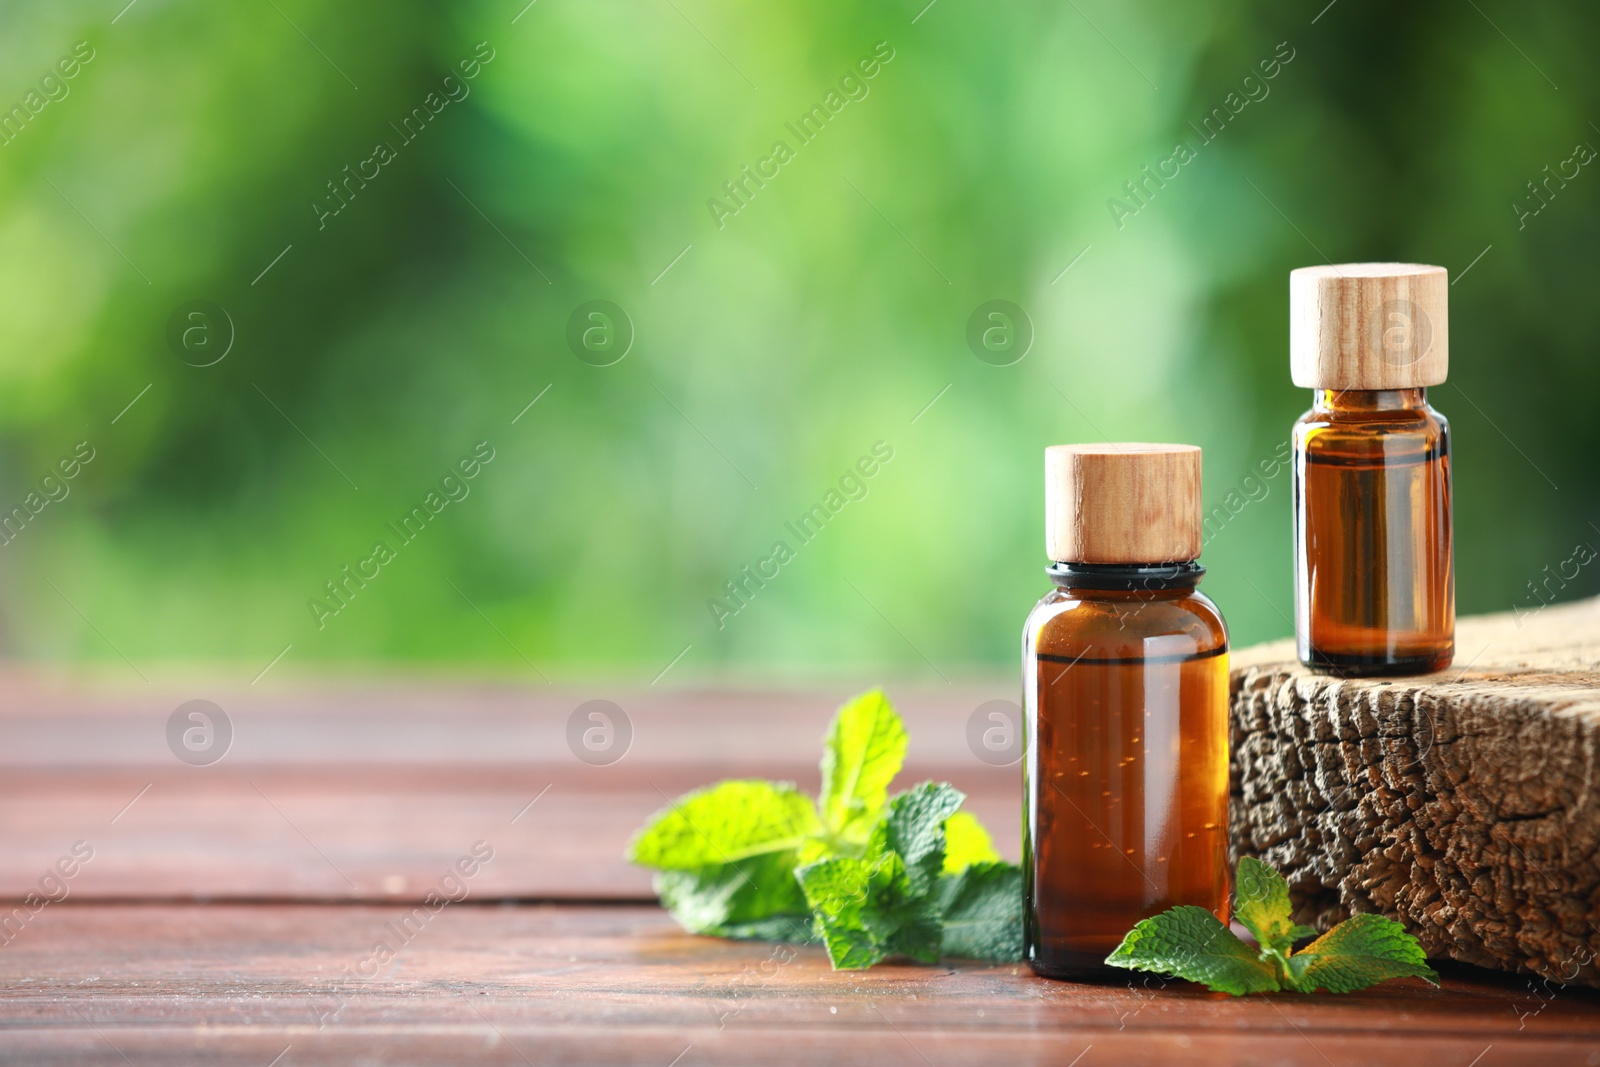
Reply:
x=1127, y=768
x=1375, y=589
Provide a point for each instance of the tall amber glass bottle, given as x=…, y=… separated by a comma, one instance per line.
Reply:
x=1374, y=581
x=1125, y=682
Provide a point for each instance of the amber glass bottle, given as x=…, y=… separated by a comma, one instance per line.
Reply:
x=1374, y=580
x=1125, y=680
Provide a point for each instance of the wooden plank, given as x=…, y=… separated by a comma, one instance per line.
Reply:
x=368, y=791
x=370, y=833
x=569, y=984
x=1461, y=803
x=52, y=719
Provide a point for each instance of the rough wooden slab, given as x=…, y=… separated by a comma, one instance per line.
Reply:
x=554, y=984
x=1465, y=804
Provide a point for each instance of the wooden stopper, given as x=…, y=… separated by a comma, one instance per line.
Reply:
x=1122, y=503
x=1369, y=326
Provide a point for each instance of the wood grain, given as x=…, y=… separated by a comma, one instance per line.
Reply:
x=621, y=984
x=1369, y=326
x=372, y=833
x=1122, y=502
x=369, y=791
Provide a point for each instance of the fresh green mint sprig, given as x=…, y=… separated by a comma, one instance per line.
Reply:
x=1190, y=942
x=868, y=875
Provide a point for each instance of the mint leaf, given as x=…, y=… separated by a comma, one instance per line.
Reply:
x=866, y=911
x=725, y=823
x=865, y=747
x=1190, y=942
x=836, y=891
x=905, y=920
x=869, y=876
x=881, y=904
x=982, y=909
x=1362, y=950
x=1261, y=904
x=966, y=842
x=754, y=898
x=913, y=827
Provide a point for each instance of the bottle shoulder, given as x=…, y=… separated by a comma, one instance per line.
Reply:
x=1388, y=430
x=1071, y=624
x=1420, y=415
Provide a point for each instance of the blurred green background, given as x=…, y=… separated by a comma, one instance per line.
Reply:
x=374, y=348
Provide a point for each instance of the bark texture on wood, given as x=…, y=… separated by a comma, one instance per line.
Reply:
x=1463, y=804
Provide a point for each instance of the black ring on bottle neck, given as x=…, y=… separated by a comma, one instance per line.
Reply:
x=1132, y=577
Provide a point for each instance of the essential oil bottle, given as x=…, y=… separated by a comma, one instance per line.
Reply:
x=1374, y=580
x=1125, y=683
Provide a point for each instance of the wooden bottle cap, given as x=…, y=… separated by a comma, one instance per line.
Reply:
x=1369, y=326
x=1122, y=503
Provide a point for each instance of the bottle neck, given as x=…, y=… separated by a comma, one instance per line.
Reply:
x=1142, y=578
x=1368, y=400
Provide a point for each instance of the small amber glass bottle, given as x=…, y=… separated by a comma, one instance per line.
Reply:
x=1125, y=682
x=1374, y=582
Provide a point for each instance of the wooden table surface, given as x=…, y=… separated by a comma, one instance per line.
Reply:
x=233, y=913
